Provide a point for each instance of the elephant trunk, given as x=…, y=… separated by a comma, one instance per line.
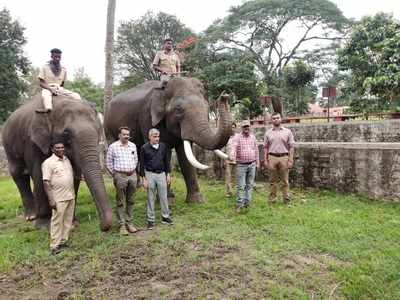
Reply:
x=202, y=134
x=88, y=158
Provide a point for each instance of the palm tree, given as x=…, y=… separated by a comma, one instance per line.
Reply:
x=108, y=85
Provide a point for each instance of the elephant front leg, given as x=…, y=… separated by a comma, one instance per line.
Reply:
x=77, y=181
x=189, y=174
x=43, y=208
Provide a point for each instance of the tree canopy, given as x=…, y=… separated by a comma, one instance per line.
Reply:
x=260, y=29
x=372, y=56
x=13, y=64
x=298, y=88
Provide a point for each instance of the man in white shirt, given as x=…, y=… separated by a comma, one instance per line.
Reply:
x=122, y=159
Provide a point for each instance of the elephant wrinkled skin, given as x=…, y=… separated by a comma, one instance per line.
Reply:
x=26, y=138
x=180, y=112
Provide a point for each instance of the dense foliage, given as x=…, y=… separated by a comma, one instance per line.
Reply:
x=13, y=64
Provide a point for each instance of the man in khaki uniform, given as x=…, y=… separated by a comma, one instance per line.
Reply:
x=278, y=157
x=52, y=77
x=58, y=183
x=167, y=63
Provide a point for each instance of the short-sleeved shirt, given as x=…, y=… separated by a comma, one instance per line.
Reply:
x=47, y=74
x=58, y=171
x=122, y=158
x=167, y=61
x=278, y=140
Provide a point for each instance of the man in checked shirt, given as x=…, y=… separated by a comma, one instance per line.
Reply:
x=122, y=159
x=244, y=152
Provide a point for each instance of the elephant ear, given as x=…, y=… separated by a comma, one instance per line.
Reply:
x=41, y=132
x=158, y=105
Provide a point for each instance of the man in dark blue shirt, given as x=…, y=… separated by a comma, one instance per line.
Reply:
x=155, y=172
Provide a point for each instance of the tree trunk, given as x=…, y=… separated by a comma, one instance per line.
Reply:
x=109, y=48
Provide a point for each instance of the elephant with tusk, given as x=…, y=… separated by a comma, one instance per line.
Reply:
x=180, y=112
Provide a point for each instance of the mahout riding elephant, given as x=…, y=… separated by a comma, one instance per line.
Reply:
x=27, y=136
x=180, y=112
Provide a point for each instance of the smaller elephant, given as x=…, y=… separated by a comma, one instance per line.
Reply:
x=27, y=136
x=180, y=113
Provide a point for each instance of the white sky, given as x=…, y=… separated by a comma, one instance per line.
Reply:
x=78, y=26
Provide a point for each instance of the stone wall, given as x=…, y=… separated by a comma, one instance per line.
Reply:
x=372, y=169
x=387, y=131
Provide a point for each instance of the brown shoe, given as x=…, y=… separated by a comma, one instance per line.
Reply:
x=131, y=228
x=123, y=230
x=238, y=209
x=271, y=201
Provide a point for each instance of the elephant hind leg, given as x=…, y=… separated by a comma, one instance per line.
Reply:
x=22, y=180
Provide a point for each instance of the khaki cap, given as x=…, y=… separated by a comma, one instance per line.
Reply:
x=245, y=123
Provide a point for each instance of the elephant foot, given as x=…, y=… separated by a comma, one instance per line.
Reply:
x=194, y=198
x=42, y=223
x=30, y=216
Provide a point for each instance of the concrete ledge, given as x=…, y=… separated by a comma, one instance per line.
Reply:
x=363, y=131
x=371, y=146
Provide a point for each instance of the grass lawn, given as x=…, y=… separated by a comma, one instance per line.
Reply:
x=325, y=246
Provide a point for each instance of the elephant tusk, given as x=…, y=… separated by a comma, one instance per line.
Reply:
x=221, y=154
x=189, y=154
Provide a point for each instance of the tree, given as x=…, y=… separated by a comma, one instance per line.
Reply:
x=230, y=72
x=13, y=64
x=298, y=79
x=138, y=41
x=258, y=28
x=84, y=86
x=109, y=49
x=372, y=56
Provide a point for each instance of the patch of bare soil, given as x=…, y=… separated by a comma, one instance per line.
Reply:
x=180, y=270
x=147, y=268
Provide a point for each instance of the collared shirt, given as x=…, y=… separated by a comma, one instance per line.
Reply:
x=58, y=171
x=278, y=140
x=154, y=160
x=167, y=61
x=122, y=158
x=47, y=74
x=244, y=149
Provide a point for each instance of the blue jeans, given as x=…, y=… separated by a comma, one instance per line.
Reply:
x=245, y=175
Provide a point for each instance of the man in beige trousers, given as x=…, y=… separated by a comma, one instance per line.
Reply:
x=52, y=77
x=58, y=180
x=278, y=157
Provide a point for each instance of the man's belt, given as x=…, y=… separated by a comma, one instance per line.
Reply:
x=155, y=171
x=246, y=162
x=126, y=173
x=278, y=154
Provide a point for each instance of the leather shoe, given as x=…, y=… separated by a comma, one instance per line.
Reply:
x=131, y=228
x=123, y=231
